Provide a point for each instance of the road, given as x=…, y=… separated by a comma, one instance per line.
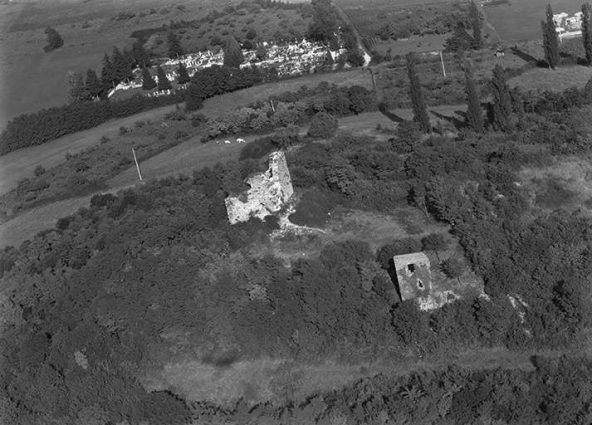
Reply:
x=343, y=16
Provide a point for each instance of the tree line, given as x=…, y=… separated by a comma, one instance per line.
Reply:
x=48, y=124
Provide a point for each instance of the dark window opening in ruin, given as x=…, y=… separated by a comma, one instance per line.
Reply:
x=411, y=268
x=420, y=284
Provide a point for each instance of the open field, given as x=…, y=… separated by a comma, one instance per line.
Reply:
x=565, y=185
x=32, y=79
x=521, y=19
x=415, y=43
x=280, y=380
x=182, y=159
x=558, y=80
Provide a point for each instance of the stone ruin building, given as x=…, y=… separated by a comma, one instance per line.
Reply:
x=413, y=275
x=269, y=192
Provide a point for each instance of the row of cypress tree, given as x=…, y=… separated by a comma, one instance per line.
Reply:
x=501, y=107
x=551, y=38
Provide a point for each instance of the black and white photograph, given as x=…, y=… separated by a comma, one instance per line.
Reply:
x=295, y=212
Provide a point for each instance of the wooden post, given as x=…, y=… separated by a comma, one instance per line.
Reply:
x=137, y=165
x=442, y=61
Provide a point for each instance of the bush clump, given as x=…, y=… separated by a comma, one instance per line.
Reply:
x=453, y=267
x=322, y=126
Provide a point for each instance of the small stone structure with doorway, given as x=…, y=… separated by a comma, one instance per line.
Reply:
x=413, y=275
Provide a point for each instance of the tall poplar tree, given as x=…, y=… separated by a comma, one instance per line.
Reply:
x=502, y=101
x=182, y=74
x=587, y=31
x=107, y=73
x=420, y=111
x=163, y=82
x=550, y=39
x=518, y=105
x=175, y=50
x=233, y=55
x=77, y=91
x=476, y=25
x=474, y=115
x=119, y=65
x=140, y=56
x=93, y=83
x=193, y=98
x=148, y=82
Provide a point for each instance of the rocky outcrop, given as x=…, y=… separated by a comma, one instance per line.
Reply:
x=268, y=193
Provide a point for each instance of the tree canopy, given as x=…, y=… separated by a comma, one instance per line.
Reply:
x=233, y=54
x=54, y=39
x=324, y=24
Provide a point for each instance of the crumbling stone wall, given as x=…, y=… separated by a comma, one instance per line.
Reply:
x=268, y=193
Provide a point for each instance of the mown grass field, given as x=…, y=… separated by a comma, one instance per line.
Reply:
x=521, y=19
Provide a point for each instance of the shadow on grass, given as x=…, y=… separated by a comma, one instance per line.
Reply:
x=393, y=117
x=457, y=123
x=528, y=57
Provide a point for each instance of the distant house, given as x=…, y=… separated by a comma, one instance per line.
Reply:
x=413, y=275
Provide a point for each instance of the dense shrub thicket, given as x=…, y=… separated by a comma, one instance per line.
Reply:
x=189, y=270
x=292, y=108
x=322, y=126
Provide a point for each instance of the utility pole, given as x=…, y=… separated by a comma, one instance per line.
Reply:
x=442, y=61
x=137, y=165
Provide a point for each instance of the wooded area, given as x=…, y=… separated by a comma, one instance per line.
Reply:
x=81, y=300
x=88, y=305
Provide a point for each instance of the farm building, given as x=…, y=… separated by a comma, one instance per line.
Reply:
x=413, y=275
